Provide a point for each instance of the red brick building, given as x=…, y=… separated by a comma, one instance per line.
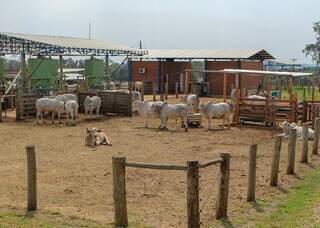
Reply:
x=154, y=67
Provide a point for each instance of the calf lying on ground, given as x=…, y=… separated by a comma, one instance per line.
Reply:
x=285, y=126
x=210, y=110
x=95, y=137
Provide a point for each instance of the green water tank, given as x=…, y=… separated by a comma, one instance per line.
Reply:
x=43, y=74
x=94, y=72
x=1, y=69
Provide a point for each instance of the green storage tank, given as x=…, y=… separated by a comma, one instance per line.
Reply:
x=94, y=72
x=1, y=70
x=43, y=74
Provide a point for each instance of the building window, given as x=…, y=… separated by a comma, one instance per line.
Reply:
x=142, y=70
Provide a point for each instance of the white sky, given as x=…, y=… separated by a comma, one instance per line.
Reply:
x=282, y=27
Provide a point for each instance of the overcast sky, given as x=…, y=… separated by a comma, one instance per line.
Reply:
x=282, y=27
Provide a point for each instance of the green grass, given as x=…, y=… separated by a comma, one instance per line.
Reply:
x=298, y=208
x=299, y=91
x=11, y=219
x=291, y=210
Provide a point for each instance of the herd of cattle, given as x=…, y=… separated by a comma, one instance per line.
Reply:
x=66, y=103
x=187, y=106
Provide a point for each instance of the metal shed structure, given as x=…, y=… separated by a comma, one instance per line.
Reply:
x=159, y=64
x=26, y=44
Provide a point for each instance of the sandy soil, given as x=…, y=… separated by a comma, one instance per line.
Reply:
x=75, y=180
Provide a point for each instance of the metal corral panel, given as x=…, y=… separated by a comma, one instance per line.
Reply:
x=43, y=74
x=1, y=69
x=94, y=72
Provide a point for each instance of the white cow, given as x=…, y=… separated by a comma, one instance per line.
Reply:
x=285, y=126
x=92, y=103
x=54, y=106
x=66, y=97
x=138, y=86
x=210, y=110
x=256, y=97
x=168, y=111
x=135, y=96
x=144, y=110
x=72, y=111
x=191, y=100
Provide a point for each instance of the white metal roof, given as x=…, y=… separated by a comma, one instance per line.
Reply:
x=206, y=54
x=69, y=42
x=257, y=72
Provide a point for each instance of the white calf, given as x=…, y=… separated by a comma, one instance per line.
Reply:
x=285, y=126
x=210, y=110
x=72, y=111
x=92, y=103
x=191, y=100
x=138, y=86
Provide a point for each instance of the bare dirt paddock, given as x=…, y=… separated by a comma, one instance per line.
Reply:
x=75, y=180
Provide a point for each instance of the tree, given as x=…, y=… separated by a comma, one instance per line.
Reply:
x=313, y=49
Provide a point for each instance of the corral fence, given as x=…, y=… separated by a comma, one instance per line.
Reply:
x=119, y=165
x=268, y=110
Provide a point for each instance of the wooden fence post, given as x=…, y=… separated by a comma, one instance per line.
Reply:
x=251, y=192
x=275, y=160
x=316, y=136
x=31, y=177
x=193, y=194
x=18, y=115
x=291, y=150
x=304, y=152
x=223, y=187
x=166, y=87
x=154, y=91
x=0, y=109
x=119, y=191
x=142, y=92
x=177, y=89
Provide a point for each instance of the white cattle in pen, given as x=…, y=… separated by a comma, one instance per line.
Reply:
x=144, y=110
x=285, y=126
x=71, y=111
x=168, y=111
x=138, y=86
x=92, y=103
x=256, y=100
x=47, y=105
x=191, y=100
x=210, y=110
x=66, y=97
x=135, y=96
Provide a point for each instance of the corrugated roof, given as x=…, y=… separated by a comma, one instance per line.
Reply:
x=285, y=62
x=207, y=54
x=256, y=72
x=64, y=42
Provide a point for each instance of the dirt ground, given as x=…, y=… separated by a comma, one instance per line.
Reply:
x=75, y=180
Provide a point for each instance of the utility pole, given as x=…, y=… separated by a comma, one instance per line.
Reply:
x=293, y=61
x=140, y=44
x=89, y=30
